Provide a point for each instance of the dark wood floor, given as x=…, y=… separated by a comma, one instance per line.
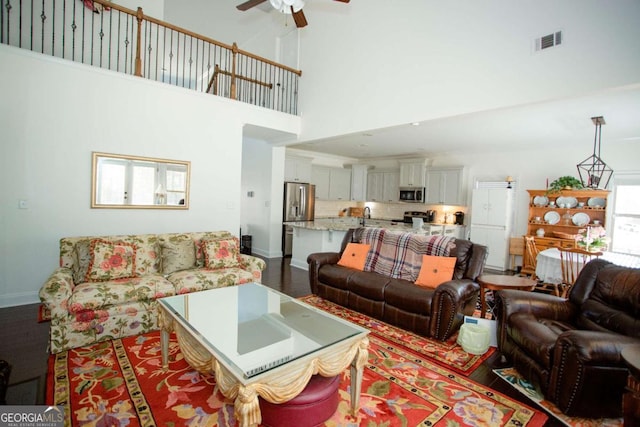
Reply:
x=23, y=343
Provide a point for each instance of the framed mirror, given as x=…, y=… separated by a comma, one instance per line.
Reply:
x=134, y=182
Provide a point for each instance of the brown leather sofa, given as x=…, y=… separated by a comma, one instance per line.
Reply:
x=570, y=348
x=436, y=313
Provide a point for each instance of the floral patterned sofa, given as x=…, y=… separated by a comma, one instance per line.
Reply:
x=106, y=286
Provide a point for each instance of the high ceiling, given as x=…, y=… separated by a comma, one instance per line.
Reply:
x=536, y=126
x=539, y=126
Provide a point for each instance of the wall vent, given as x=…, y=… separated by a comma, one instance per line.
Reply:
x=548, y=41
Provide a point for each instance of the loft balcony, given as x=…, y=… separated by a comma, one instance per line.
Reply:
x=109, y=36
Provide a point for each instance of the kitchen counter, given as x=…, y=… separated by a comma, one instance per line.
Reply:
x=345, y=223
x=326, y=234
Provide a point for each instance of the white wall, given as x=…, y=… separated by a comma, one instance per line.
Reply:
x=254, y=31
x=54, y=113
x=257, y=210
x=153, y=8
x=376, y=63
x=372, y=64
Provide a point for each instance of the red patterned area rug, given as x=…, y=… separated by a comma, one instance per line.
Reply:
x=447, y=353
x=122, y=383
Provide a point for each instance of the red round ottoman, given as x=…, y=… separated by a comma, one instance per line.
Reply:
x=313, y=406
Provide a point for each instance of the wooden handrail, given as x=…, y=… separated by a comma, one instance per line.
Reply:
x=217, y=71
x=241, y=77
x=140, y=15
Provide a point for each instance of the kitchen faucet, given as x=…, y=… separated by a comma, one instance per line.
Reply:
x=366, y=213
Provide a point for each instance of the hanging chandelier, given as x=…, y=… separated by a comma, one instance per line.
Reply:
x=593, y=170
x=285, y=6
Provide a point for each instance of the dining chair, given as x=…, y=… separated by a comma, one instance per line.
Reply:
x=529, y=257
x=529, y=263
x=516, y=248
x=572, y=260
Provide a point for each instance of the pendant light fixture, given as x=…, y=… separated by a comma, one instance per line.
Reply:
x=593, y=170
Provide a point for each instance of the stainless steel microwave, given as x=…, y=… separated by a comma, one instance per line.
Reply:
x=412, y=194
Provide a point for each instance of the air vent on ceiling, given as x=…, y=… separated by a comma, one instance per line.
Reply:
x=549, y=41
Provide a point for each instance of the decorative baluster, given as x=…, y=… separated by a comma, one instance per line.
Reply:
x=139, y=17
x=234, y=51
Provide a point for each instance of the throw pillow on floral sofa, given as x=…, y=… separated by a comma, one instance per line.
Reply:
x=106, y=286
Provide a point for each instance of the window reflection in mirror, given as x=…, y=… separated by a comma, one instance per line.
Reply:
x=121, y=181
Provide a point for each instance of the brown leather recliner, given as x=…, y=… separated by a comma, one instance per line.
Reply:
x=570, y=348
x=436, y=313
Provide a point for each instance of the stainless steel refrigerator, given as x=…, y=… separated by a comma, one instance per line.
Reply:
x=299, y=205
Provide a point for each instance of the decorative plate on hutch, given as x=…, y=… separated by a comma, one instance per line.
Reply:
x=569, y=202
x=596, y=202
x=552, y=217
x=581, y=219
x=540, y=201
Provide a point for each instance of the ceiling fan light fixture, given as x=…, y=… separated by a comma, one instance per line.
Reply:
x=284, y=6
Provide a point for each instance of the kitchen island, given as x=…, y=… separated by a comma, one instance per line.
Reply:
x=326, y=234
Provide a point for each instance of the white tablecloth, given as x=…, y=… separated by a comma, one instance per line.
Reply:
x=548, y=267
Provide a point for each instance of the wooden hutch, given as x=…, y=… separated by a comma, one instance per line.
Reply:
x=561, y=224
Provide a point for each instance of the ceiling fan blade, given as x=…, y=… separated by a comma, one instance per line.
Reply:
x=344, y=1
x=249, y=4
x=299, y=18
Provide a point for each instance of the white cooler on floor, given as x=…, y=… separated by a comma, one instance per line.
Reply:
x=474, y=339
x=473, y=326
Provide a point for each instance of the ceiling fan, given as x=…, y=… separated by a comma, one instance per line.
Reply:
x=293, y=7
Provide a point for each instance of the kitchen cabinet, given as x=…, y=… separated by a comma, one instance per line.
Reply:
x=359, y=182
x=340, y=184
x=390, y=186
x=412, y=173
x=331, y=183
x=383, y=186
x=307, y=241
x=320, y=177
x=444, y=186
x=297, y=169
x=492, y=223
x=374, y=186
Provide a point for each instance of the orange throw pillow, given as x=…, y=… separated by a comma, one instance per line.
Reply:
x=435, y=270
x=354, y=256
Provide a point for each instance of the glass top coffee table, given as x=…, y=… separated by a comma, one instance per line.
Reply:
x=260, y=342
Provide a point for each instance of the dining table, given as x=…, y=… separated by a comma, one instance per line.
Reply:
x=549, y=269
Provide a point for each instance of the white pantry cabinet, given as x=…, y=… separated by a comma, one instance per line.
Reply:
x=492, y=223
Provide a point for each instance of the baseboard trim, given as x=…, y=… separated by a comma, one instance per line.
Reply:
x=13, y=300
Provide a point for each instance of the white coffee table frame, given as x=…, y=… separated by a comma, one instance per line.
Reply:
x=277, y=385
